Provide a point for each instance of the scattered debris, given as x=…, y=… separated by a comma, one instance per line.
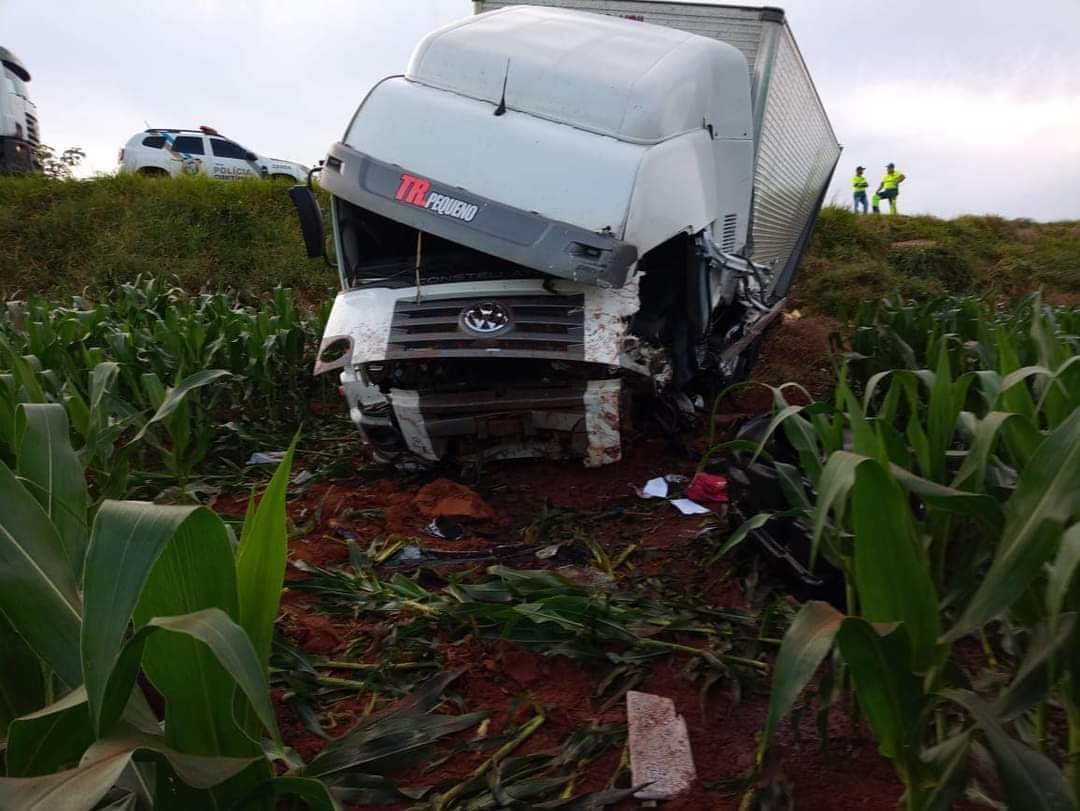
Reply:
x=587, y=577
x=266, y=458
x=548, y=551
x=445, y=528
x=659, y=747
x=303, y=477
x=688, y=507
x=655, y=488
x=708, y=487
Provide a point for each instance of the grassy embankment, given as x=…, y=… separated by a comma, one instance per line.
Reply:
x=61, y=238
x=867, y=257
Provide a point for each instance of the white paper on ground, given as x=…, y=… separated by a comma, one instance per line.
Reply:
x=655, y=488
x=688, y=507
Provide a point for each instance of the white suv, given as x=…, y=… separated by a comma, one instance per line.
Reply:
x=202, y=151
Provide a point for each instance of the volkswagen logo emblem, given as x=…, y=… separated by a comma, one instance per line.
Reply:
x=485, y=318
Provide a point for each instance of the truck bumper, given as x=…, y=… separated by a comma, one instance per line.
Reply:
x=551, y=385
x=16, y=156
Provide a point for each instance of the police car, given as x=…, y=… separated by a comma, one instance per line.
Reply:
x=201, y=152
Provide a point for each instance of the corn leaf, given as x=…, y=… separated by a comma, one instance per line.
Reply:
x=127, y=540
x=175, y=396
x=1046, y=496
x=888, y=692
x=50, y=469
x=51, y=739
x=22, y=681
x=81, y=788
x=1031, y=780
x=38, y=592
x=260, y=560
x=1063, y=570
x=891, y=572
x=805, y=645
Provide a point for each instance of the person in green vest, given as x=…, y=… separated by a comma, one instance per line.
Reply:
x=875, y=203
x=859, y=184
x=890, y=186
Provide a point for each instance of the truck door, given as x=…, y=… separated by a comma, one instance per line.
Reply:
x=231, y=160
x=189, y=150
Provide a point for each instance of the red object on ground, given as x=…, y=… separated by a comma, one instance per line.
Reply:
x=708, y=487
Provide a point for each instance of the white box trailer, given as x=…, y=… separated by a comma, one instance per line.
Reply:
x=795, y=149
x=557, y=219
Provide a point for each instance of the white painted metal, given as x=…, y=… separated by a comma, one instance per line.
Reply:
x=561, y=172
x=365, y=315
x=612, y=128
x=637, y=83
x=796, y=148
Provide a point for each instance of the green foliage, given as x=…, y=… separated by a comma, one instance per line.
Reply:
x=159, y=594
x=947, y=495
x=852, y=258
x=61, y=238
x=149, y=370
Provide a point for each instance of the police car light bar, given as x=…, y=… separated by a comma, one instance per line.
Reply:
x=208, y=130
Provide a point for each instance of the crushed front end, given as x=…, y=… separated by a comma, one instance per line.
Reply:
x=446, y=350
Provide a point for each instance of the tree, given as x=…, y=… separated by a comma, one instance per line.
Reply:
x=59, y=167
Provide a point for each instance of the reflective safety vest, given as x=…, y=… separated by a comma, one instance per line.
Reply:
x=891, y=180
x=859, y=183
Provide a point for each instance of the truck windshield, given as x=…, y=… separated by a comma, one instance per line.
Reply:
x=378, y=251
x=15, y=85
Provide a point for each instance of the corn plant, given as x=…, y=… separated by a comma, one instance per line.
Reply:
x=948, y=498
x=85, y=607
x=151, y=368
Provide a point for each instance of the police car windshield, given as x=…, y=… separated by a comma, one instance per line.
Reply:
x=16, y=85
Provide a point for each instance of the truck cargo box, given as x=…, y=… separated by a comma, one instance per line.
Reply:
x=796, y=149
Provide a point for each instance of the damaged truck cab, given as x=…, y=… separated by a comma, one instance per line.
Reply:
x=545, y=220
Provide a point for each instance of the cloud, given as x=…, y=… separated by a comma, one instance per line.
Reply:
x=978, y=101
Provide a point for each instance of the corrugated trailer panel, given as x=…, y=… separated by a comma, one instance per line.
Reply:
x=796, y=154
x=797, y=150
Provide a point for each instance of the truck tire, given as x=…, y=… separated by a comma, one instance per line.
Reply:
x=153, y=171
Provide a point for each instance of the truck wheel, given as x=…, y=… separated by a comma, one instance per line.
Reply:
x=153, y=171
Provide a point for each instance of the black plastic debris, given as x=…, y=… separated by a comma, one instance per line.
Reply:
x=446, y=528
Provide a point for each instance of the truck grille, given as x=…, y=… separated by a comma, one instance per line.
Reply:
x=550, y=327
x=32, y=129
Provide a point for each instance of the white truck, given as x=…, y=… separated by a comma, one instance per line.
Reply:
x=556, y=219
x=19, y=137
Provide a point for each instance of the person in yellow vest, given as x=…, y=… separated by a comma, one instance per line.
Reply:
x=890, y=186
x=859, y=185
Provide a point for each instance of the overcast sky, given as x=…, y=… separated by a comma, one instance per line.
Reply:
x=977, y=101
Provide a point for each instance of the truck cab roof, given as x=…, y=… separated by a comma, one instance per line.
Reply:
x=630, y=80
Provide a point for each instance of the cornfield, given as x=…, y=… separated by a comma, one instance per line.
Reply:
x=943, y=483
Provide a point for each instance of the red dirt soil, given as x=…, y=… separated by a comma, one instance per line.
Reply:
x=497, y=510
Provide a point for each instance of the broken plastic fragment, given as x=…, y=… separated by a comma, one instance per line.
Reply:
x=655, y=488
x=708, y=487
x=688, y=507
x=266, y=457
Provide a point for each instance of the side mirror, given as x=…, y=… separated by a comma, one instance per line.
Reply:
x=311, y=220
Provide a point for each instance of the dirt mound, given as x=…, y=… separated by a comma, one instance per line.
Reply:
x=448, y=499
